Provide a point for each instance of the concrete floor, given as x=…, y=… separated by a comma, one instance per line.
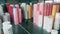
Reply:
x=28, y=28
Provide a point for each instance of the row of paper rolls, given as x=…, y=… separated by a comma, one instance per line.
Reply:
x=46, y=15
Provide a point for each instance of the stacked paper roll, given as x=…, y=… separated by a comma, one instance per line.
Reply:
x=48, y=21
x=54, y=32
x=35, y=14
x=49, y=1
x=50, y=5
x=54, y=10
x=25, y=12
x=1, y=9
x=50, y=8
x=19, y=12
x=9, y=7
x=41, y=6
x=15, y=15
x=57, y=21
x=7, y=27
x=40, y=15
x=58, y=8
x=56, y=1
x=29, y=9
x=20, y=16
x=57, y=18
x=6, y=17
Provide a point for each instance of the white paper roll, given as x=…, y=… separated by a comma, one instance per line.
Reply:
x=48, y=1
x=40, y=20
x=57, y=21
x=6, y=17
x=7, y=28
x=25, y=12
x=48, y=22
x=54, y=32
x=1, y=9
x=56, y=1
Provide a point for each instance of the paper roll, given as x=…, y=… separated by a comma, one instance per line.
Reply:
x=1, y=9
x=25, y=12
x=41, y=8
x=35, y=14
x=6, y=17
x=58, y=8
x=15, y=14
x=19, y=12
x=10, y=11
x=46, y=8
x=57, y=21
x=56, y=1
x=29, y=9
x=57, y=18
x=54, y=32
x=7, y=28
x=54, y=10
x=40, y=14
x=48, y=22
x=48, y=1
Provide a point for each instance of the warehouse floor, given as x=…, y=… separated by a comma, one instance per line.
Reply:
x=28, y=28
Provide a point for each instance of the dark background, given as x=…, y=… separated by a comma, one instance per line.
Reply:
x=19, y=1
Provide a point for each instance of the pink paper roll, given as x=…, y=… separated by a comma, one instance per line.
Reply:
x=19, y=13
x=20, y=16
x=41, y=6
x=46, y=8
x=40, y=14
x=15, y=14
x=50, y=8
x=35, y=14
